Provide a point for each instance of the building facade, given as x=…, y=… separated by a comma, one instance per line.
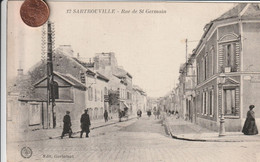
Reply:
x=228, y=69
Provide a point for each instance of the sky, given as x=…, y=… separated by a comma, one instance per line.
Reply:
x=150, y=46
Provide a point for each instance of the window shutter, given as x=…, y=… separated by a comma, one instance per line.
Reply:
x=233, y=57
x=221, y=58
x=237, y=49
x=225, y=56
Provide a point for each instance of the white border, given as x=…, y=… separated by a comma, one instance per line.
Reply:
x=3, y=78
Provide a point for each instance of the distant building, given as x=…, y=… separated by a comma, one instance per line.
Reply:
x=106, y=63
x=139, y=99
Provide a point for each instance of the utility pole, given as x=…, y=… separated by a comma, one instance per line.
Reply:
x=50, y=78
x=186, y=42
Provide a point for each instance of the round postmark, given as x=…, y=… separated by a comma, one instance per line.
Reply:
x=34, y=13
x=26, y=152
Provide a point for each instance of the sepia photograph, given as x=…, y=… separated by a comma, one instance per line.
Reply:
x=132, y=81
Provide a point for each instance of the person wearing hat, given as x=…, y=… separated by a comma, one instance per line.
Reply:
x=85, y=123
x=250, y=127
x=66, y=125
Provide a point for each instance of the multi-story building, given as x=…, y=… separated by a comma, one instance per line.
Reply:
x=189, y=90
x=76, y=88
x=181, y=92
x=228, y=69
x=139, y=99
x=106, y=63
x=152, y=103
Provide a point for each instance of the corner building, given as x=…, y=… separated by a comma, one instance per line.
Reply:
x=228, y=69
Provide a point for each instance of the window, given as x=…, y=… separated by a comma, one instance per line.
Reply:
x=230, y=56
x=211, y=102
x=201, y=70
x=198, y=73
x=105, y=91
x=90, y=94
x=212, y=61
x=55, y=91
x=229, y=102
x=205, y=67
x=95, y=94
x=204, y=103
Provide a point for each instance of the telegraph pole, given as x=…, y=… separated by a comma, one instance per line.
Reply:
x=50, y=78
x=186, y=42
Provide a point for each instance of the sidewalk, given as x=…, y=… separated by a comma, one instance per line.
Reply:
x=184, y=130
x=44, y=134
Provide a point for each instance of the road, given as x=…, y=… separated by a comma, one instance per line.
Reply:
x=135, y=140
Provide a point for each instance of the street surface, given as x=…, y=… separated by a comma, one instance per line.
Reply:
x=143, y=139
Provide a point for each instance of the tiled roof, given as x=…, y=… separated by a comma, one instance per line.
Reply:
x=22, y=85
x=253, y=11
x=250, y=10
x=234, y=12
x=102, y=77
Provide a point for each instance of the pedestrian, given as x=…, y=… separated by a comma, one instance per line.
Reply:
x=106, y=116
x=85, y=123
x=120, y=115
x=250, y=127
x=158, y=114
x=155, y=114
x=149, y=113
x=177, y=114
x=138, y=113
x=66, y=125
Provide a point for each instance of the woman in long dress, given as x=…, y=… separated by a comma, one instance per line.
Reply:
x=250, y=127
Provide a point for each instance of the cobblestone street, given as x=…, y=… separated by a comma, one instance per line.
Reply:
x=136, y=140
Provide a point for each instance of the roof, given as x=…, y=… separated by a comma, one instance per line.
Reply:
x=100, y=76
x=122, y=73
x=85, y=64
x=245, y=10
x=33, y=99
x=234, y=12
x=137, y=88
x=76, y=83
x=21, y=85
x=67, y=78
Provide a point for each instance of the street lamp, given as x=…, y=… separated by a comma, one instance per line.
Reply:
x=222, y=132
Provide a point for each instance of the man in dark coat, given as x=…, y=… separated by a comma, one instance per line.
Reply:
x=250, y=127
x=66, y=125
x=85, y=123
x=106, y=116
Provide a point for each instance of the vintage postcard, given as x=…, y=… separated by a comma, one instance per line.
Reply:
x=132, y=81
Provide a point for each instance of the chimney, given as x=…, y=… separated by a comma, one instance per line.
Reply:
x=78, y=56
x=20, y=72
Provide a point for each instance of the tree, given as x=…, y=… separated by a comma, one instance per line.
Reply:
x=113, y=97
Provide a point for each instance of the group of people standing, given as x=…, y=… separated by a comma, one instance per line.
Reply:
x=84, y=124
